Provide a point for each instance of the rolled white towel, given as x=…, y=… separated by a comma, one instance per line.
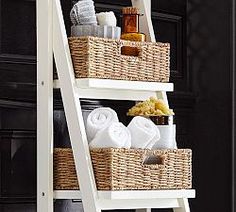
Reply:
x=99, y=119
x=168, y=137
x=114, y=136
x=155, y=140
x=144, y=133
x=106, y=18
x=83, y=13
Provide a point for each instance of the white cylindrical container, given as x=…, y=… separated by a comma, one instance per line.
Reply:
x=168, y=137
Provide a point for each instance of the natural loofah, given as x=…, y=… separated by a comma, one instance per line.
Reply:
x=83, y=13
x=151, y=107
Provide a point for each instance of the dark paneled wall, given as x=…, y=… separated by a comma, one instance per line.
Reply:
x=200, y=68
x=210, y=59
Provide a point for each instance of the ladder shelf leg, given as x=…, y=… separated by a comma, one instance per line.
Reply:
x=145, y=21
x=73, y=112
x=183, y=206
x=162, y=95
x=44, y=107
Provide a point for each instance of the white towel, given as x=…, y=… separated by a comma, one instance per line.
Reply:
x=155, y=140
x=83, y=13
x=99, y=119
x=114, y=136
x=106, y=18
x=144, y=133
x=168, y=137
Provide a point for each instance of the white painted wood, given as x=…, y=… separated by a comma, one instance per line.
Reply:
x=149, y=7
x=129, y=195
x=147, y=28
x=120, y=85
x=137, y=203
x=162, y=95
x=44, y=107
x=144, y=210
x=145, y=21
x=183, y=205
x=107, y=200
x=118, y=89
x=115, y=94
x=73, y=112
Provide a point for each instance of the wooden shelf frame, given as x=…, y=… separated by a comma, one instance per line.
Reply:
x=119, y=89
x=52, y=41
x=129, y=195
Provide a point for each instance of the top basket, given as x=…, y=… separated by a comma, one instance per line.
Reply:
x=95, y=57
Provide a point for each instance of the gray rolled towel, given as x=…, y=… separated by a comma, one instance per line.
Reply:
x=83, y=13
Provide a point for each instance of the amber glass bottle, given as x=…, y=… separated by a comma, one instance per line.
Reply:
x=130, y=30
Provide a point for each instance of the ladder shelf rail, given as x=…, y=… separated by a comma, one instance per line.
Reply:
x=72, y=107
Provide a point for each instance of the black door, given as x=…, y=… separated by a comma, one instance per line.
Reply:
x=200, y=34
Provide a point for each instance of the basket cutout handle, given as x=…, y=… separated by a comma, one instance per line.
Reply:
x=154, y=161
x=131, y=51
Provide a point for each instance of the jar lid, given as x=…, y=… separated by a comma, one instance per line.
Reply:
x=130, y=11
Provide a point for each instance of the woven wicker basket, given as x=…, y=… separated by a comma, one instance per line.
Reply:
x=95, y=57
x=122, y=169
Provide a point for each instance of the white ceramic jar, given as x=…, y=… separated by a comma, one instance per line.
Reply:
x=168, y=137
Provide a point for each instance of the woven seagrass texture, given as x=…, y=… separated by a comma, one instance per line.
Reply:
x=125, y=169
x=95, y=57
x=64, y=173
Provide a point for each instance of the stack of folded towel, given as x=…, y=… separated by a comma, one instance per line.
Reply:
x=86, y=22
x=104, y=130
x=83, y=13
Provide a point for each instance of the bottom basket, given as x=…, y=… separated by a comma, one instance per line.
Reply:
x=128, y=169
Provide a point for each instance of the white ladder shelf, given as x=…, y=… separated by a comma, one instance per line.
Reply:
x=52, y=39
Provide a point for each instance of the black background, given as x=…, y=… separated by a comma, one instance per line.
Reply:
x=200, y=33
